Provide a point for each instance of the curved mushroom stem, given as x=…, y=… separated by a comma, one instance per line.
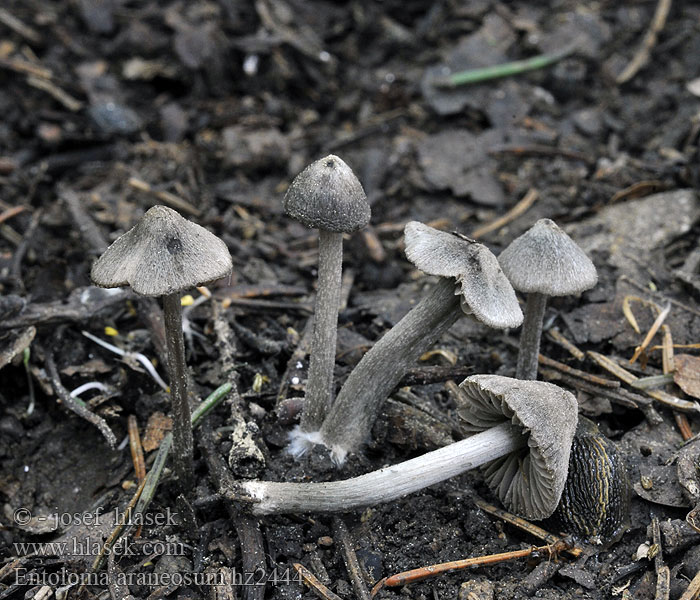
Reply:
x=319, y=386
x=386, y=484
x=177, y=370
x=530, y=336
x=351, y=417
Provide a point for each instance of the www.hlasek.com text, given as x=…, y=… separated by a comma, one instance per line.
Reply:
x=89, y=546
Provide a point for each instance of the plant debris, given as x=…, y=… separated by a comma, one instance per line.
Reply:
x=211, y=109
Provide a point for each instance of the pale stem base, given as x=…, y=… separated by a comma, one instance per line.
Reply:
x=388, y=483
x=351, y=417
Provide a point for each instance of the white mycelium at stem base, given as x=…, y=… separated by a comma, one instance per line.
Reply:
x=472, y=282
x=526, y=430
x=326, y=196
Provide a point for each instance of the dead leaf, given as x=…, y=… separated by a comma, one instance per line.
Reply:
x=156, y=428
x=459, y=160
x=687, y=374
x=90, y=367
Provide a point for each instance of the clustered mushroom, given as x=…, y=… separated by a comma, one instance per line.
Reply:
x=162, y=255
x=525, y=433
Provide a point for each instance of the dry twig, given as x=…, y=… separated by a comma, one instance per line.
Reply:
x=86, y=226
x=248, y=529
x=651, y=333
x=558, y=338
x=617, y=395
x=421, y=573
x=353, y=566
x=314, y=584
x=55, y=92
x=642, y=55
x=644, y=289
x=136, y=449
x=663, y=397
x=25, y=67
x=116, y=532
x=76, y=405
x=595, y=379
x=520, y=208
x=693, y=590
x=27, y=32
x=165, y=197
x=11, y=212
x=638, y=190
x=526, y=526
x=668, y=363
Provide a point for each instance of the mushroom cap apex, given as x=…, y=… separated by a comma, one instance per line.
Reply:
x=485, y=291
x=162, y=254
x=546, y=260
x=528, y=484
x=327, y=195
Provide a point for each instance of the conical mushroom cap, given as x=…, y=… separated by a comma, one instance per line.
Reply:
x=546, y=260
x=485, y=290
x=327, y=195
x=529, y=482
x=162, y=254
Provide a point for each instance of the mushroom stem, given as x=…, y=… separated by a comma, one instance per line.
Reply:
x=319, y=387
x=354, y=411
x=530, y=336
x=177, y=370
x=389, y=483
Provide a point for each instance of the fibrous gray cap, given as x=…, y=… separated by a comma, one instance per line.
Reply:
x=546, y=260
x=529, y=482
x=162, y=254
x=327, y=195
x=485, y=290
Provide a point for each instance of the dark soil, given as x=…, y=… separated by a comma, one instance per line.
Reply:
x=212, y=107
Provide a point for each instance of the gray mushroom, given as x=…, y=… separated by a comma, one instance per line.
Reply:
x=526, y=430
x=472, y=283
x=543, y=262
x=529, y=482
x=162, y=255
x=326, y=196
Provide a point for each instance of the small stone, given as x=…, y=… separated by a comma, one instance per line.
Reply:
x=113, y=118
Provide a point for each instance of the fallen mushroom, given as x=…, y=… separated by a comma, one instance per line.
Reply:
x=162, y=255
x=326, y=196
x=472, y=283
x=526, y=432
x=543, y=262
x=529, y=484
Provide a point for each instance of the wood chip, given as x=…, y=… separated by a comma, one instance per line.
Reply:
x=156, y=428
